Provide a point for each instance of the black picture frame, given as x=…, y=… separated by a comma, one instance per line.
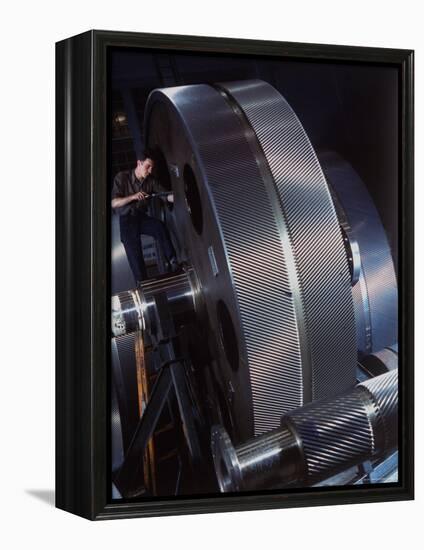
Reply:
x=82, y=301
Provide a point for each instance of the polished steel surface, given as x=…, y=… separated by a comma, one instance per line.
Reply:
x=261, y=233
x=264, y=461
x=335, y=434
x=135, y=309
x=344, y=431
x=116, y=431
x=375, y=296
x=127, y=313
x=227, y=467
x=314, y=235
x=248, y=272
x=179, y=293
x=289, y=273
x=384, y=393
x=315, y=442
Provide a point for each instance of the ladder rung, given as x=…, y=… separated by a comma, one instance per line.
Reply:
x=168, y=455
x=164, y=429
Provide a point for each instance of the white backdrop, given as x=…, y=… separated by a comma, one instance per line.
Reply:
x=28, y=32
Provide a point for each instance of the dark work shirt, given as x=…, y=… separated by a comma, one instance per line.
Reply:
x=125, y=184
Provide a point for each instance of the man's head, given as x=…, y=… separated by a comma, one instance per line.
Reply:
x=145, y=165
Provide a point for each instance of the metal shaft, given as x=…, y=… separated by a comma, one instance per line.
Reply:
x=138, y=309
x=314, y=442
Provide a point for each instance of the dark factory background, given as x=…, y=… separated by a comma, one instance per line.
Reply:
x=348, y=108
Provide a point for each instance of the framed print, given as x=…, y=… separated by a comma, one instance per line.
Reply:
x=234, y=275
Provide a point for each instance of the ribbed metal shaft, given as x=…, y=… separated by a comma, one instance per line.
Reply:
x=384, y=393
x=134, y=310
x=316, y=441
x=341, y=432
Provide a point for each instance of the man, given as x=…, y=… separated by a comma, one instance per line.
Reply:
x=130, y=193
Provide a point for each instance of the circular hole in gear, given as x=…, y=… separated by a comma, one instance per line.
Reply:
x=161, y=170
x=228, y=336
x=193, y=201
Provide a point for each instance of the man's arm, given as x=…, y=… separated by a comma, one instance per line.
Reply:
x=117, y=202
x=119, y=196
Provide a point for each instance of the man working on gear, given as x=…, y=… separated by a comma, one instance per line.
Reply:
x=130, y=193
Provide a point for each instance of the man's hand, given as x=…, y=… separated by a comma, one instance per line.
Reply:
x=140, y=196
x=118, y=202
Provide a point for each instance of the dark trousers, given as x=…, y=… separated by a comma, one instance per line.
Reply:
x=131, y=228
